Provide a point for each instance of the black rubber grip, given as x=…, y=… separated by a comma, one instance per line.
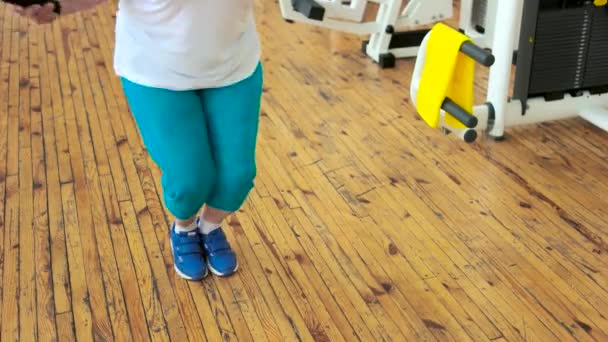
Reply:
x=309, y=8
x=27, y=3
x=480, y=55
x=459, y=113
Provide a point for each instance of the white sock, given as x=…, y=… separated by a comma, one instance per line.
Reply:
x=207, y=227
x=184, y=229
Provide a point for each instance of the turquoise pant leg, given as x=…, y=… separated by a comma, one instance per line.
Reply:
x=174, y=130
x=233, y=119
x=203, y=141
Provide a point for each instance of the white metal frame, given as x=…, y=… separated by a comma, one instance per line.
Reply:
x=338, y=20
x=353, y=11
x=508, y=112
x=417, y=13
x=349, y=18
x=485, y=39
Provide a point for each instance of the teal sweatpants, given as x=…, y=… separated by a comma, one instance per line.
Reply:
x=203, y=141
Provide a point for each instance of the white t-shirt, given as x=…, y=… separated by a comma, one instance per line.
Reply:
x=186, y=44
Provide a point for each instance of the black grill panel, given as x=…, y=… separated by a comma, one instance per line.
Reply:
x=596, y=74
x=563, y=49
x=562, y=38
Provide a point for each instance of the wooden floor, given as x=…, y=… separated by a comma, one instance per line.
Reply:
x=364, y=224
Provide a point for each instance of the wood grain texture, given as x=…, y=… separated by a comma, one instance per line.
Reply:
x=364, y=224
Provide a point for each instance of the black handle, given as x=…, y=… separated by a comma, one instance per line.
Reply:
x=309, y=8
x=459, y=113
x=480, y=55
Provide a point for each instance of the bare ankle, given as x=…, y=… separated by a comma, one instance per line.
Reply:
x=214, y=216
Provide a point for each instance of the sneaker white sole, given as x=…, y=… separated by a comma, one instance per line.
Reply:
x=219, y=274
x=179, y=273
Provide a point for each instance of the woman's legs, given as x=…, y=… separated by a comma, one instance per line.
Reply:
x=232, y=118
x=204, y=143
x=173, y=127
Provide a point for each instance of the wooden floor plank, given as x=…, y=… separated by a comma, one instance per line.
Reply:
x=149, y=292
x=231, y=308
x=300, y=269
x=368, y=311
x=344, y=185
x=268, y=276
x=12, y=130
x=96, y=165
x=431, y=313
x=10, y=293
x=81, y=306
x=82, y=152
x=219, y=306
x=101, y=235
x=310, y=257
x=41, y=105
x=59, y=259
x=27, y=249
x=105, y=103
x=57, y=46
x=10, y=280
x=210, y=321
x=365, y=326
x=5, y=19
x=271, y=313
x=29, y=101
x=65, y=327
x=279, y=265
x=368, y=295
x=126, y=268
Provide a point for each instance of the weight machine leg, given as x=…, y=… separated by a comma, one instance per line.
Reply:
x=380, y=42
x=503, y=47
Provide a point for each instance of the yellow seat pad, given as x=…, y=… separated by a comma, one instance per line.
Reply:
x=446, y=73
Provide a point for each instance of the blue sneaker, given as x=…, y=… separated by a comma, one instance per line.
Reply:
x=221, y=259
x=188, y=254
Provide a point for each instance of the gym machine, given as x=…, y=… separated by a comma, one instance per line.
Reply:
x=561, y=69
x=392, y=34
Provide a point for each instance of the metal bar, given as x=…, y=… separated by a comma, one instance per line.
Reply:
x=459, y=113
x=480, y=55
